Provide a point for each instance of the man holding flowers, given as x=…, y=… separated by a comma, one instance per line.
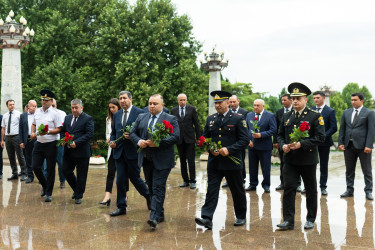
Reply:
x=46, y=128
x=300, y=133
x=227, y=135
x=155, y=133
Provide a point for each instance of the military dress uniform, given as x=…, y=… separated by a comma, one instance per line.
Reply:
x=301, y=162
x=231, y=131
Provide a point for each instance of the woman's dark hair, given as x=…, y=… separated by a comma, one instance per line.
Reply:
x=113, y=101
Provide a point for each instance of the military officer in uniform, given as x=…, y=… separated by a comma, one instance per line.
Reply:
x=230, y=129
x=301, y=157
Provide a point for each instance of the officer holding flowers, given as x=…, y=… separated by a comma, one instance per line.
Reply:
x=300, y=133
x=225, y=135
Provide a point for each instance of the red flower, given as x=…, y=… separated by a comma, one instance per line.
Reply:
x=304, y=126
x=70, y=137
x=255, y=118
x=45, y=128
x=66, y=139
x=66, y=133
x=168, y=126
x=201, y=141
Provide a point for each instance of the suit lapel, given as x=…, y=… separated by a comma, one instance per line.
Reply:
x=361, y=114
x=130, y=118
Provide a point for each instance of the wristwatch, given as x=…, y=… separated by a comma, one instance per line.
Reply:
x=48, y=132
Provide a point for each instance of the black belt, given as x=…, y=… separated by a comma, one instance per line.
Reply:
x=11, y=135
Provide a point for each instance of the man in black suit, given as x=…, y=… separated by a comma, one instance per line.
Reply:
x=356, y=139
x=330, y=125
x=157, y=161
x=301, y=156
x=77, y=154
x=234, y=105
x=188, y=123
x=27, y=145
x=286, y=101
x=231, y=130
x=125, y=153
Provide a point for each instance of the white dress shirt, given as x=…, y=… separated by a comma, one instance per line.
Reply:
x=14, y=122
x=50, y=117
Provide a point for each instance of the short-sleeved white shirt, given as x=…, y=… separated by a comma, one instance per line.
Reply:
x=14, y=122
x=62, y=114
x=50, y=117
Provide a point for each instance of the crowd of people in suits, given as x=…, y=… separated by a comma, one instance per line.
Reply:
x=131, y=148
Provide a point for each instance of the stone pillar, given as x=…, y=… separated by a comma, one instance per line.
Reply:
x=214, y=84
x=11, y=84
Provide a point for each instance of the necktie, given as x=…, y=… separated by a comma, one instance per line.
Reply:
x=124, y=119
x=234, y=111
x=297, y=114
x=74, y=122
x=9, y=122
x=286, y=110
x=182, y=113
x=355, y=116
x=151, y=123
x=258, y=116
x=318, y=109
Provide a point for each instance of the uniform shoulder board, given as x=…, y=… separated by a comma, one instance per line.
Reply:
x=313, y=110
x=212, y=115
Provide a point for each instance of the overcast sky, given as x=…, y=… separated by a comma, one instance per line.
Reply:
x=272, y=43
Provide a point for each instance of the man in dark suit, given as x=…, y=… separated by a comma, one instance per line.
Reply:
x=27, y=145
x=125, y=153
x=260, y=146
x=286, y=101
x=157, y=161
x=356, y=139
x=77, y=154
x=234, y=105
x=330, y=125
x=301, y=156
x=230, y=129
x=189, y=133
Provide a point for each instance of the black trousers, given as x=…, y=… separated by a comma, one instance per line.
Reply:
x=281, y=156
x=78, y=184
x=1, y=161
x=291, y=175
x=13, y=148
x=28, y=155
x=243, y=156
x=186, y=151
x=111, y=173
x=234, y=180
x=323, y=161
x=46, y=151
x=156, y=181
x=351, y=155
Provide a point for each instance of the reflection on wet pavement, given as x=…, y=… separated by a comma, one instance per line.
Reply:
x=27, y=222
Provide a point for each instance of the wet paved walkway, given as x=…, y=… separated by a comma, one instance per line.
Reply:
x=27, y=222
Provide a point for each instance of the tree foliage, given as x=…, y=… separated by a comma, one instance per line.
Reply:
x=93, y=49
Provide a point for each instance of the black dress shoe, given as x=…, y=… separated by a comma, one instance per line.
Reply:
x=347, y=194
x=266, y=189
x=1, y=176
x=78, y=201
x=62, y=184
x=13, y=177
x=193, y=185
x=29, y=180
x=303, y=191
x=309, y=225
x=148, y=200
x=286, y=225
x=280, y=187
x=299, y=189
x=251, y=188
x=43, y=192
x=19, y=174
x=240, y=222
x=118, y=211
x=225, y=184
x=24, y=178
x=369, y=196
x=108, y=202
x=152, y=223
x=48, y=198
x=161, y=219
x=324, y=191
x=204, y=222
x=184, y=184
x=73, y=196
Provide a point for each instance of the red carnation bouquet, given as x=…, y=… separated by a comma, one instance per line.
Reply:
x=68, y=139
x=42, y=129
x=160, y=132
x=255, y=125
x=300, y=133
x=215, y=146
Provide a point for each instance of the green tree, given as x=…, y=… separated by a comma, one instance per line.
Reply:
x=351, y=88
x=338, y=104
x=272, y=104
x=244, y=91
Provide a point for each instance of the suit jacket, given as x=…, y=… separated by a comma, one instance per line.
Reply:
x=124, y=146
x=330, y=124
x=187, y=125
x=362, y=131
x=232, y=133
x=307, y=154
x=279, y=115
x=23, y=128
x=268, y=128
x=163, y=156
x=82, y=132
